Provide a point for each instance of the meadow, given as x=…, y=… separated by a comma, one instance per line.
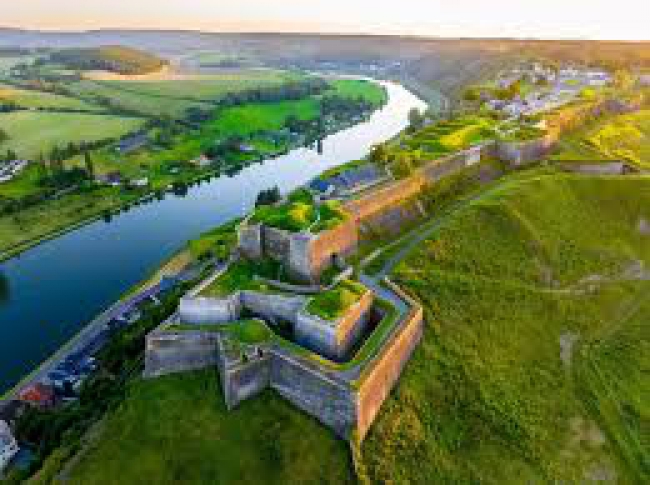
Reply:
x=530, y=367
x=32, y=133
x=28, y=98
x=177, y=430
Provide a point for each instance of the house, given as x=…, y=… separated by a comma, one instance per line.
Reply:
x=143, y=182
x=39, y=394
x=114, y=179
x=131, y=143
x=202, y=161
x=246, y=148
x=12, y=168
x=8, y=446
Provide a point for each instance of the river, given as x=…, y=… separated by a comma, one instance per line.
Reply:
x=55, y=288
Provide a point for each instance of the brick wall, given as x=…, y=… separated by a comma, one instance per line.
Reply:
x=331, y=402
x=169, y=353
x=382, y=374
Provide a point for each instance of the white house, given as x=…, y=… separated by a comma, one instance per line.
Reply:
x=8, y=445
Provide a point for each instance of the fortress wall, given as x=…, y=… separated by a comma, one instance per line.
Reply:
x=331, y=402
x=275, y=243
x=382, y=375
x=272, y=306
x=169, y=353
x=206, y=311
x=519, y=153
x=250, y=241
x=385, y=197
x=334, y=339
x=602, y=168
x=245, y=380
x=340, y=241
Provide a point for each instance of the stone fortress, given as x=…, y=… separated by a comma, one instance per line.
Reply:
x=338, y=368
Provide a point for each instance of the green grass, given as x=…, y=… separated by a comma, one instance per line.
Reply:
x=251, y=331
x=55, y=215
x=333, y=303
x=487, y=397
x=208, y=87
x=622, y=137
x=300, y=213
x=28, y=98
x=177, y=430
x=25, y=183
x=32, y=133
x=241, y=275
x=217, y=242
x=350, y=88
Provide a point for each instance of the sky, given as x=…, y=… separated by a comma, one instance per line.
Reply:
x=590, y=19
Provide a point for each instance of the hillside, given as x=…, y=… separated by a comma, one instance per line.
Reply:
x=177, y=430
x=118, y=59
x=530, y=368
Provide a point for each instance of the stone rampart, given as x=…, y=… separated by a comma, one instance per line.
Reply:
x=379, y=378
x=172, y=352
x=206, y=311
x=272, y=306
x=250, y=240
x=334, y=339
x=243, y=373
x=331, y=402
x=520, y=153
x=276, y=243
x=385, y=197
x=326, y=247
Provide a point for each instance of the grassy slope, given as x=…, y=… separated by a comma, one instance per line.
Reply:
x=27, y=98
x=487, y=397
x=177, y=430
x=32, y=133
x=55, y=215
x=624, y=137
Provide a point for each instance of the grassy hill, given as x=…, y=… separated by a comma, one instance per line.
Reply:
x=536, y=298
x=623, y=137
x=32, y=133
x=177, y=430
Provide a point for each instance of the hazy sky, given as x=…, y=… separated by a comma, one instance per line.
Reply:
x=603, y=19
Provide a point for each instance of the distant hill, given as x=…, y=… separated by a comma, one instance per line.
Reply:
x=118, y=59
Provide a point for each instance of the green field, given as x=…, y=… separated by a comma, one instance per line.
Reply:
x=623, y=137
x=177, y=430
x=530, y=367
x=54, y=215
x=27, y=98
x=32, y=133
x=172, y=97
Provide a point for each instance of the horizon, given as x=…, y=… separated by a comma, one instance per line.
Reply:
x=580, y=20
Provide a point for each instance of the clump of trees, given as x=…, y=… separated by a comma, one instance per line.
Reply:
x=122, y=60
x=4, y=136
x=268, y=197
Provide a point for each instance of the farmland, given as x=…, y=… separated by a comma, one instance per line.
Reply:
x=544, y=258
x=33, y=133
x=29, y=98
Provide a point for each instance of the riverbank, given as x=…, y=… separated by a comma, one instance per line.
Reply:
x=60, y=216
x=59, y=284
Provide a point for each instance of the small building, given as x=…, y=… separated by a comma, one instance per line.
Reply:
x=202, y=161
x=39, y=394
x=131, y=143
x=8, y=446
x=114, y=179
x=142, y=182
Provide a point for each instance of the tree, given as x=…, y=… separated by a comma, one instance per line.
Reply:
x=379, y=155
x=3, y=135
x=88, y=163
x=416, y=120
x=268, y=197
